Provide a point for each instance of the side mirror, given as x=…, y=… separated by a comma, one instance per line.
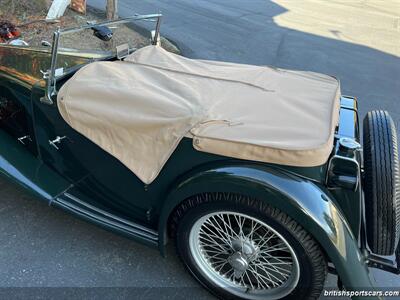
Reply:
x=102, y=32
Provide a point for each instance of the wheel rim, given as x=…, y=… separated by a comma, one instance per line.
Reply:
x=244, y=255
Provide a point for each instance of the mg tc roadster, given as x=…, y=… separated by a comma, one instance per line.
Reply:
x=256, y=173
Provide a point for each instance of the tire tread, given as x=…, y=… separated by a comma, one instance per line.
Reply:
x=381, y=183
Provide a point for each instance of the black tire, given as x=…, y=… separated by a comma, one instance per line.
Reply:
x=312, y=263
x=381, y=183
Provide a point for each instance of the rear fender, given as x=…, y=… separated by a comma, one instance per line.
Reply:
x=301, y=199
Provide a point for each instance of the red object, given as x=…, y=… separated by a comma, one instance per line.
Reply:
x=16, y=33
x=8, y=31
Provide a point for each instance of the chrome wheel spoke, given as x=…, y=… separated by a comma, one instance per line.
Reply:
x=254, y=227
x=238, y=220
x=228, y=227
x=213, y=242
x=267, y=257
x=249, y=279
x=263, y=278
x=281, y=271
x=221, y=233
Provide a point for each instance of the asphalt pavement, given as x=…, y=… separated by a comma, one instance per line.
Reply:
x=356, y=41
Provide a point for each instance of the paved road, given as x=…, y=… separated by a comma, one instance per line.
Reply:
x=357, y=41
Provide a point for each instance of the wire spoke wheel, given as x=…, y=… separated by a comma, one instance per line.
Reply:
x=244, y=255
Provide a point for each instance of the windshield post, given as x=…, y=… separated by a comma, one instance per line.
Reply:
x=50, y=74
x=157, y=33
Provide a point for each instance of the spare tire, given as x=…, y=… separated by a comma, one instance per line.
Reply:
x=381, y=183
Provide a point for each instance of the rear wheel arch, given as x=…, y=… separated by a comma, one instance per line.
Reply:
x=300, y=199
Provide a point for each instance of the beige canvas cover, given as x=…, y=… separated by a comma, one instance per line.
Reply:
x=139, y=109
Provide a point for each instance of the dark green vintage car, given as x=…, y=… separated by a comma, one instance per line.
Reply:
x=257, y=173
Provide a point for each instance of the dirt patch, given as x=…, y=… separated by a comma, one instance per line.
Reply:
x=23, y=8
x=29, y=17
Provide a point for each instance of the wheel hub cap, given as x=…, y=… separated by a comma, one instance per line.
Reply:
x=238, y=263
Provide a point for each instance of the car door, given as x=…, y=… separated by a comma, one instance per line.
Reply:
x=103, y=180
x=15, y=114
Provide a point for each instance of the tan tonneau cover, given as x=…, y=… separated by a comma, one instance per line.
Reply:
x=139, y=109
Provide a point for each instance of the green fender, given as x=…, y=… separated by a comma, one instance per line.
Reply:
x=300, y=198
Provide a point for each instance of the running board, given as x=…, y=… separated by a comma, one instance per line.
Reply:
x=101, y=217
x=378, y=262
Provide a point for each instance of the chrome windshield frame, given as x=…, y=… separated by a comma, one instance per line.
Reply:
x=50, y=75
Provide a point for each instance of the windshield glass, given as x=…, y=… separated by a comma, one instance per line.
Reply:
x=97, y=42
x=93, y=42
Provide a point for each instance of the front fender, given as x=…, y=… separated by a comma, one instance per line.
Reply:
x=301, y=199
